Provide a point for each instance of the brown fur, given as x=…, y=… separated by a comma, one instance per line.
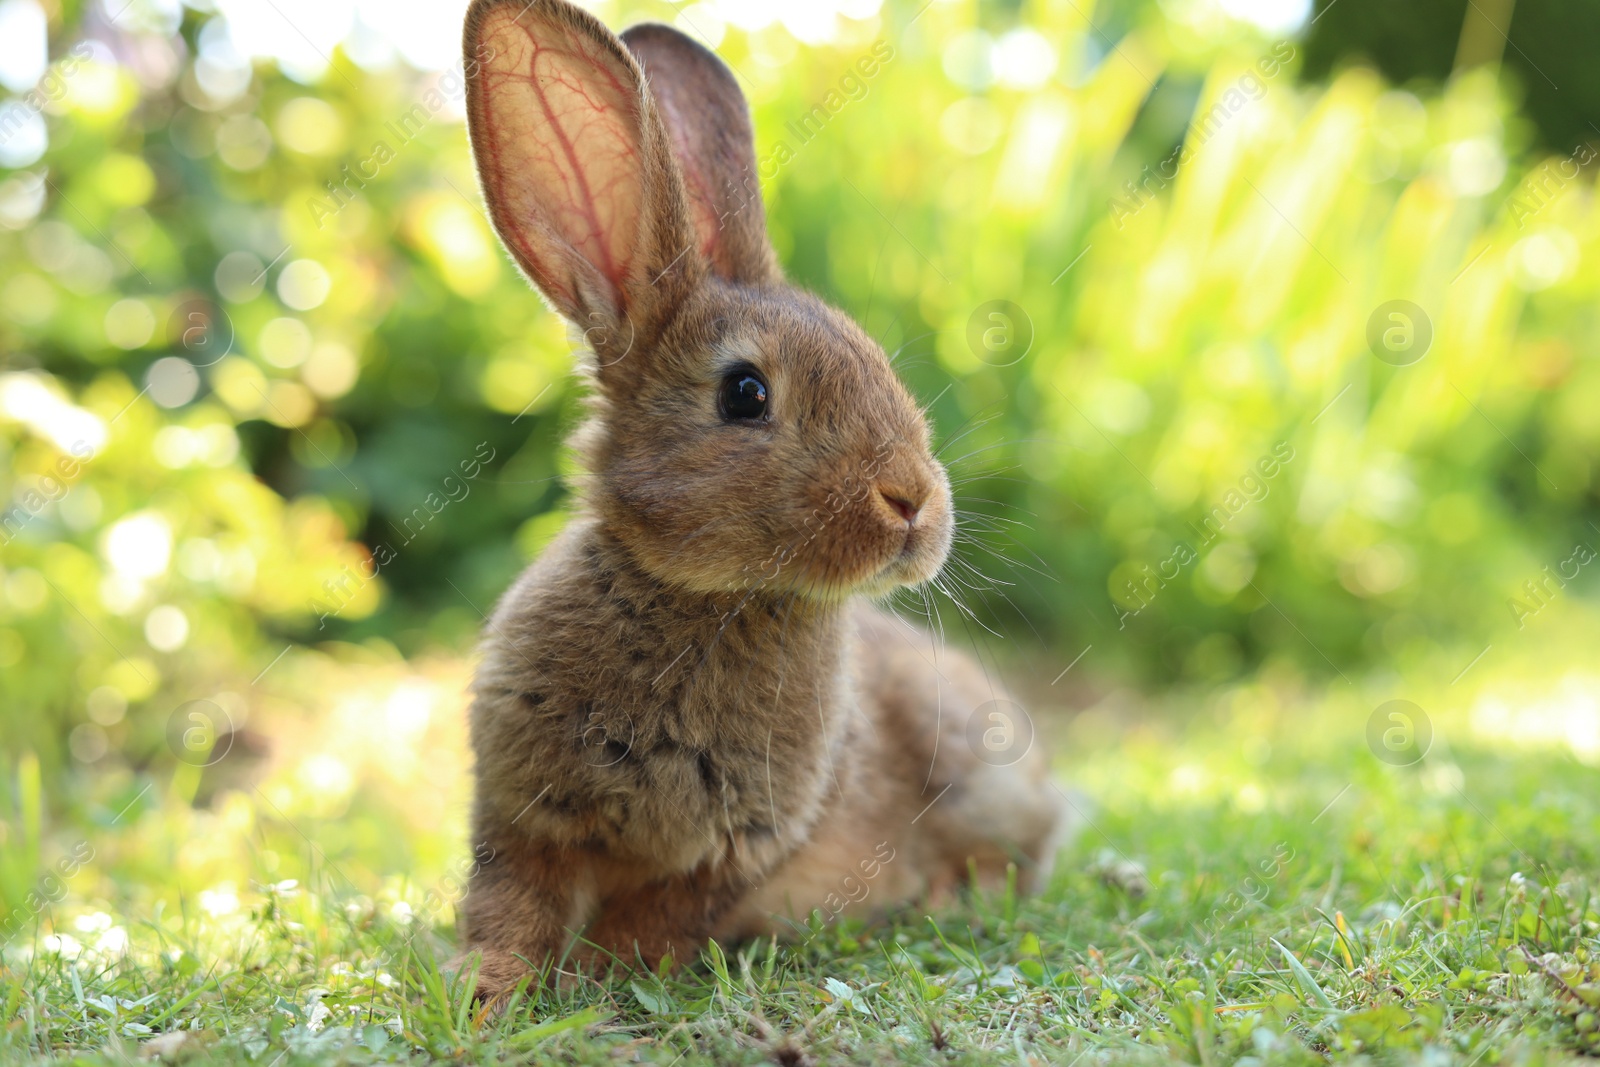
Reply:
x=689, y=722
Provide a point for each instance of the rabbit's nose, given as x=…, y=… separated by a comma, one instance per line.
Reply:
x=900, y=505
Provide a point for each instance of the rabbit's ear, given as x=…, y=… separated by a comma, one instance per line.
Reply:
x=576, y=167
x=706, y=115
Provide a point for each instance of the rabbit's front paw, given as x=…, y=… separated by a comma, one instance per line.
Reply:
x=498, y=973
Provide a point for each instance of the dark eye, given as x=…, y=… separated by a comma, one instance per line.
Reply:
x=744, y=395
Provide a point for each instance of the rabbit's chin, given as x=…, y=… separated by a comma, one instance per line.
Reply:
x=919, y=561
x=900, y=574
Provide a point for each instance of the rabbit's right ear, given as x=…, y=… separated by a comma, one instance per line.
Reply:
x=576, y=167
x=705, y=113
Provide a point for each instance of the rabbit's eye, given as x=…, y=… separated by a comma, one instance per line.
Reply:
x=744, y=395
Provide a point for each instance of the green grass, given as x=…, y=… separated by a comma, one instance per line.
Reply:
x=1255, y=888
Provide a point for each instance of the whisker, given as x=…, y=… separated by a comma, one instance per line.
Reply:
x=998, y=504
x=1022, y=615
x=987, y=582
x=990, y=524
x=933, y=611
x=896, y=354
x=963, y=608
x=925, y=408
x=983, y=587
x=991, y=448
x=872, y=286
x=1043, y=570
x=972, y=424
x=998, y=474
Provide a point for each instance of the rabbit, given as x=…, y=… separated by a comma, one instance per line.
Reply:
x=690, y=719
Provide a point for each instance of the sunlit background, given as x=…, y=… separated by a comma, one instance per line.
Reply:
x=1139, y=257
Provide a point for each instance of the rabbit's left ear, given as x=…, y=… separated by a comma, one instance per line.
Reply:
x=708, y=122
x=576, y=168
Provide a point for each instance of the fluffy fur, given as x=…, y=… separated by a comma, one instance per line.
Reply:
x=689, y=722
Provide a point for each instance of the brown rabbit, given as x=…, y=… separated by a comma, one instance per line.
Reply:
x=689, y=722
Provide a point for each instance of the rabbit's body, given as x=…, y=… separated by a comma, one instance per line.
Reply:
x=739, y=766
x=689, y=721
x=911, y=792
x=645, y=724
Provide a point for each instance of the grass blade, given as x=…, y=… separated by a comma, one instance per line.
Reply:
x=1302, y=977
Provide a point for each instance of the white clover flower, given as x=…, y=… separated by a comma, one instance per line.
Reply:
x=64, y=945
x=219, y=901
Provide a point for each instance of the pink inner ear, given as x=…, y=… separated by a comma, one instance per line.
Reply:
x=560, y=122
x=702, y=198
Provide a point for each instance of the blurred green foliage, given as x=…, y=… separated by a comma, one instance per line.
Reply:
x=1545, y=45
x=1133, y=275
